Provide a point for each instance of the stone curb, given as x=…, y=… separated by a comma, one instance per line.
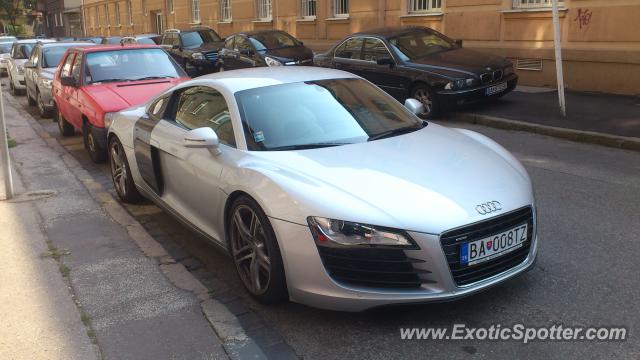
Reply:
x=590, y=137
x=235, y=341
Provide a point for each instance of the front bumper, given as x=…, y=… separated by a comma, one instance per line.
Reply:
x=18, y=81
x=309, y=283
x=47, y=97
x=477, y=93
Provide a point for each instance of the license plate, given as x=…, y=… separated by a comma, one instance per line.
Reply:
x=475, y=252
x=496, y=89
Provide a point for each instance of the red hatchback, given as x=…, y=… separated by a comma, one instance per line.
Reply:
x=92, y=83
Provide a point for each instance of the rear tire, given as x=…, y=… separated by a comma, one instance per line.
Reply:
x=97, y=153
x=121, y=173
x=64, y=127
x=255, y=252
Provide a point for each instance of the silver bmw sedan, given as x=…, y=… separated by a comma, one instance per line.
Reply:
x=325, y=190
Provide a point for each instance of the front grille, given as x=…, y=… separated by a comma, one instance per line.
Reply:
x=372, y=267
x=486, y=78
x=491, y=76
x=464, y=275
x=211, y=56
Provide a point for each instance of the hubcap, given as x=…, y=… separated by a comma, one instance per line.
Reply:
x=90, y=141
x=249, y=250
x=40, y=104
x=118, y=169
x=425, y=98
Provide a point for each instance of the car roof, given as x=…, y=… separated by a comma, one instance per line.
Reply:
x=257, y=32
x=391, y=31
x=67, y=43
x=33, y=41
x=113, y=47
x=251, y=78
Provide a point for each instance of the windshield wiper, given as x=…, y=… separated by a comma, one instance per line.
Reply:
x=394, y=132
x=305, y=146
x=154, y=77
x=109, y=80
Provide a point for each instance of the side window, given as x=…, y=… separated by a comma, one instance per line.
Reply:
x=201, y=106
x=229, y=43
x=35, y=56
x=175, y=39
x=350, y=49
x=374, y=49
x=77, y=66
x=242, y=44
x=66, y=66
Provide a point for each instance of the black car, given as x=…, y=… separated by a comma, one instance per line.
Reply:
x=196, y=49
x=421, y=63
x=263, y=48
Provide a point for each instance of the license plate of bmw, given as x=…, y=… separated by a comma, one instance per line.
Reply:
x=475, y=252
x=496, y=89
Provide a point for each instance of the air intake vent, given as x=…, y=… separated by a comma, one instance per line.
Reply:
x=529, y=64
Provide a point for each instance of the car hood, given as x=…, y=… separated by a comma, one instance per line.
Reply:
x=462, y=59
x=427, y=181
x=117, y=96
x=291, y=53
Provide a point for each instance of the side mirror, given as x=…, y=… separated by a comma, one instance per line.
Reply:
x=386, y=61
x=458, y=42
x=29, y=65
x=68, y=81
x=203, y=137
x=415, y=106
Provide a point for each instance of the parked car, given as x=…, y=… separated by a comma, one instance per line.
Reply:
x=39, y=71
x=20, y=53
x=196, y=49
x=5, y=54
x=327, y=191
x=93, y=39
x=263, y=48
x=421, y=63
x=111, y=40
x=92, y=83
x=151, y=39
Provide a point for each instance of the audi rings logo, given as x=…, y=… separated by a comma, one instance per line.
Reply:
x=488, y=207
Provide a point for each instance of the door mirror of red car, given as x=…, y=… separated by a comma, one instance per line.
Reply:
x=203, y=137
x=386, y=61
x=68, y=81
x=458, y=42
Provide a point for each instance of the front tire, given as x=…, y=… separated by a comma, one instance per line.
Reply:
x=97, y=153
x=427, y=97
x=255, y=252
x=30, y=100
x=121, y=173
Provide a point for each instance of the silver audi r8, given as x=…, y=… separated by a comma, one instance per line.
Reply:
x=325, y=190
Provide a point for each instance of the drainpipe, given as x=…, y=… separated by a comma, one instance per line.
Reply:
x=84, y=23
x=557, y=40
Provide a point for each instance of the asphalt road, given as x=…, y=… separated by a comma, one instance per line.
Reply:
x=588, y=200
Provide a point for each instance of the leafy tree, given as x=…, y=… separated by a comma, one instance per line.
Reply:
x=10, y=10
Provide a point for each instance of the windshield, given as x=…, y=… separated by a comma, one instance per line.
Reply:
x=5, y=47
x=52, y=55
x=417, y=44
x=23, y=51
x=142, y=40
x=319, y=113
x=113, y=40
x=131, y=64
x=197, y=38
x=273, y=40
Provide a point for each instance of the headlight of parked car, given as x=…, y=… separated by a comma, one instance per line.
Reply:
x=198, y=56
x=330, y=232
x=108, y=119
x=271, y=61
x=46, y=83
x=460, y=84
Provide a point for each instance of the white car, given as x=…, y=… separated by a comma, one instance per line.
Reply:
x=327, y=191
x=5, y=48
x=20, y=53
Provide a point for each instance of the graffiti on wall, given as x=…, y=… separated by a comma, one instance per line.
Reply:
x=583, y=18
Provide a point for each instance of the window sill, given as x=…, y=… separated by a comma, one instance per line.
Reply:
x=309, y=19
x=346, y=18
x=195, y=23
x=531, y=10
x=263, y=21
x=222, y=22
x=424, y=14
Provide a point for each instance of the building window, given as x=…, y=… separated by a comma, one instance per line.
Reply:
x=308, y=9
x=144, y=7
x=129, y=12
x=170, y=6
x=195, y=11
x=528, y=4
x=422, y=6
x=264, y=10
x=225, y=10
x=61, y=20
x=107, y=21
x=117, y=9
x=341, y=8
x=55, y=20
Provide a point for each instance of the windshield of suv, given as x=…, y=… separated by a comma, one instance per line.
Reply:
x=421, y=43
x=197, y=38
x=273, y=40
x=23, y=51
x=320, y=113
x=130, y=64
x=52, y=55
x=5, y=48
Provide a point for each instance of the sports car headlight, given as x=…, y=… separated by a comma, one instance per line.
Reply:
x=198, y=56
x=271, y=61
x=108, y=119
x=338, y=233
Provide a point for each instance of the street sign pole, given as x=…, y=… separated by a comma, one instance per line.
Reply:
x=5, y=163
x=557, y=39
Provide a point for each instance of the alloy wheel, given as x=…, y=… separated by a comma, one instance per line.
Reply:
x=118, y=169
x=90, y=141
x=424, y=96
x=249, y=250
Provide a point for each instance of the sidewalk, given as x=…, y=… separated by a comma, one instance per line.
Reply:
x=124, y=286
x=605, y=118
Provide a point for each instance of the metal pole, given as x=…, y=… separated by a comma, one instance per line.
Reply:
x=5, y=163
x=557, y=44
